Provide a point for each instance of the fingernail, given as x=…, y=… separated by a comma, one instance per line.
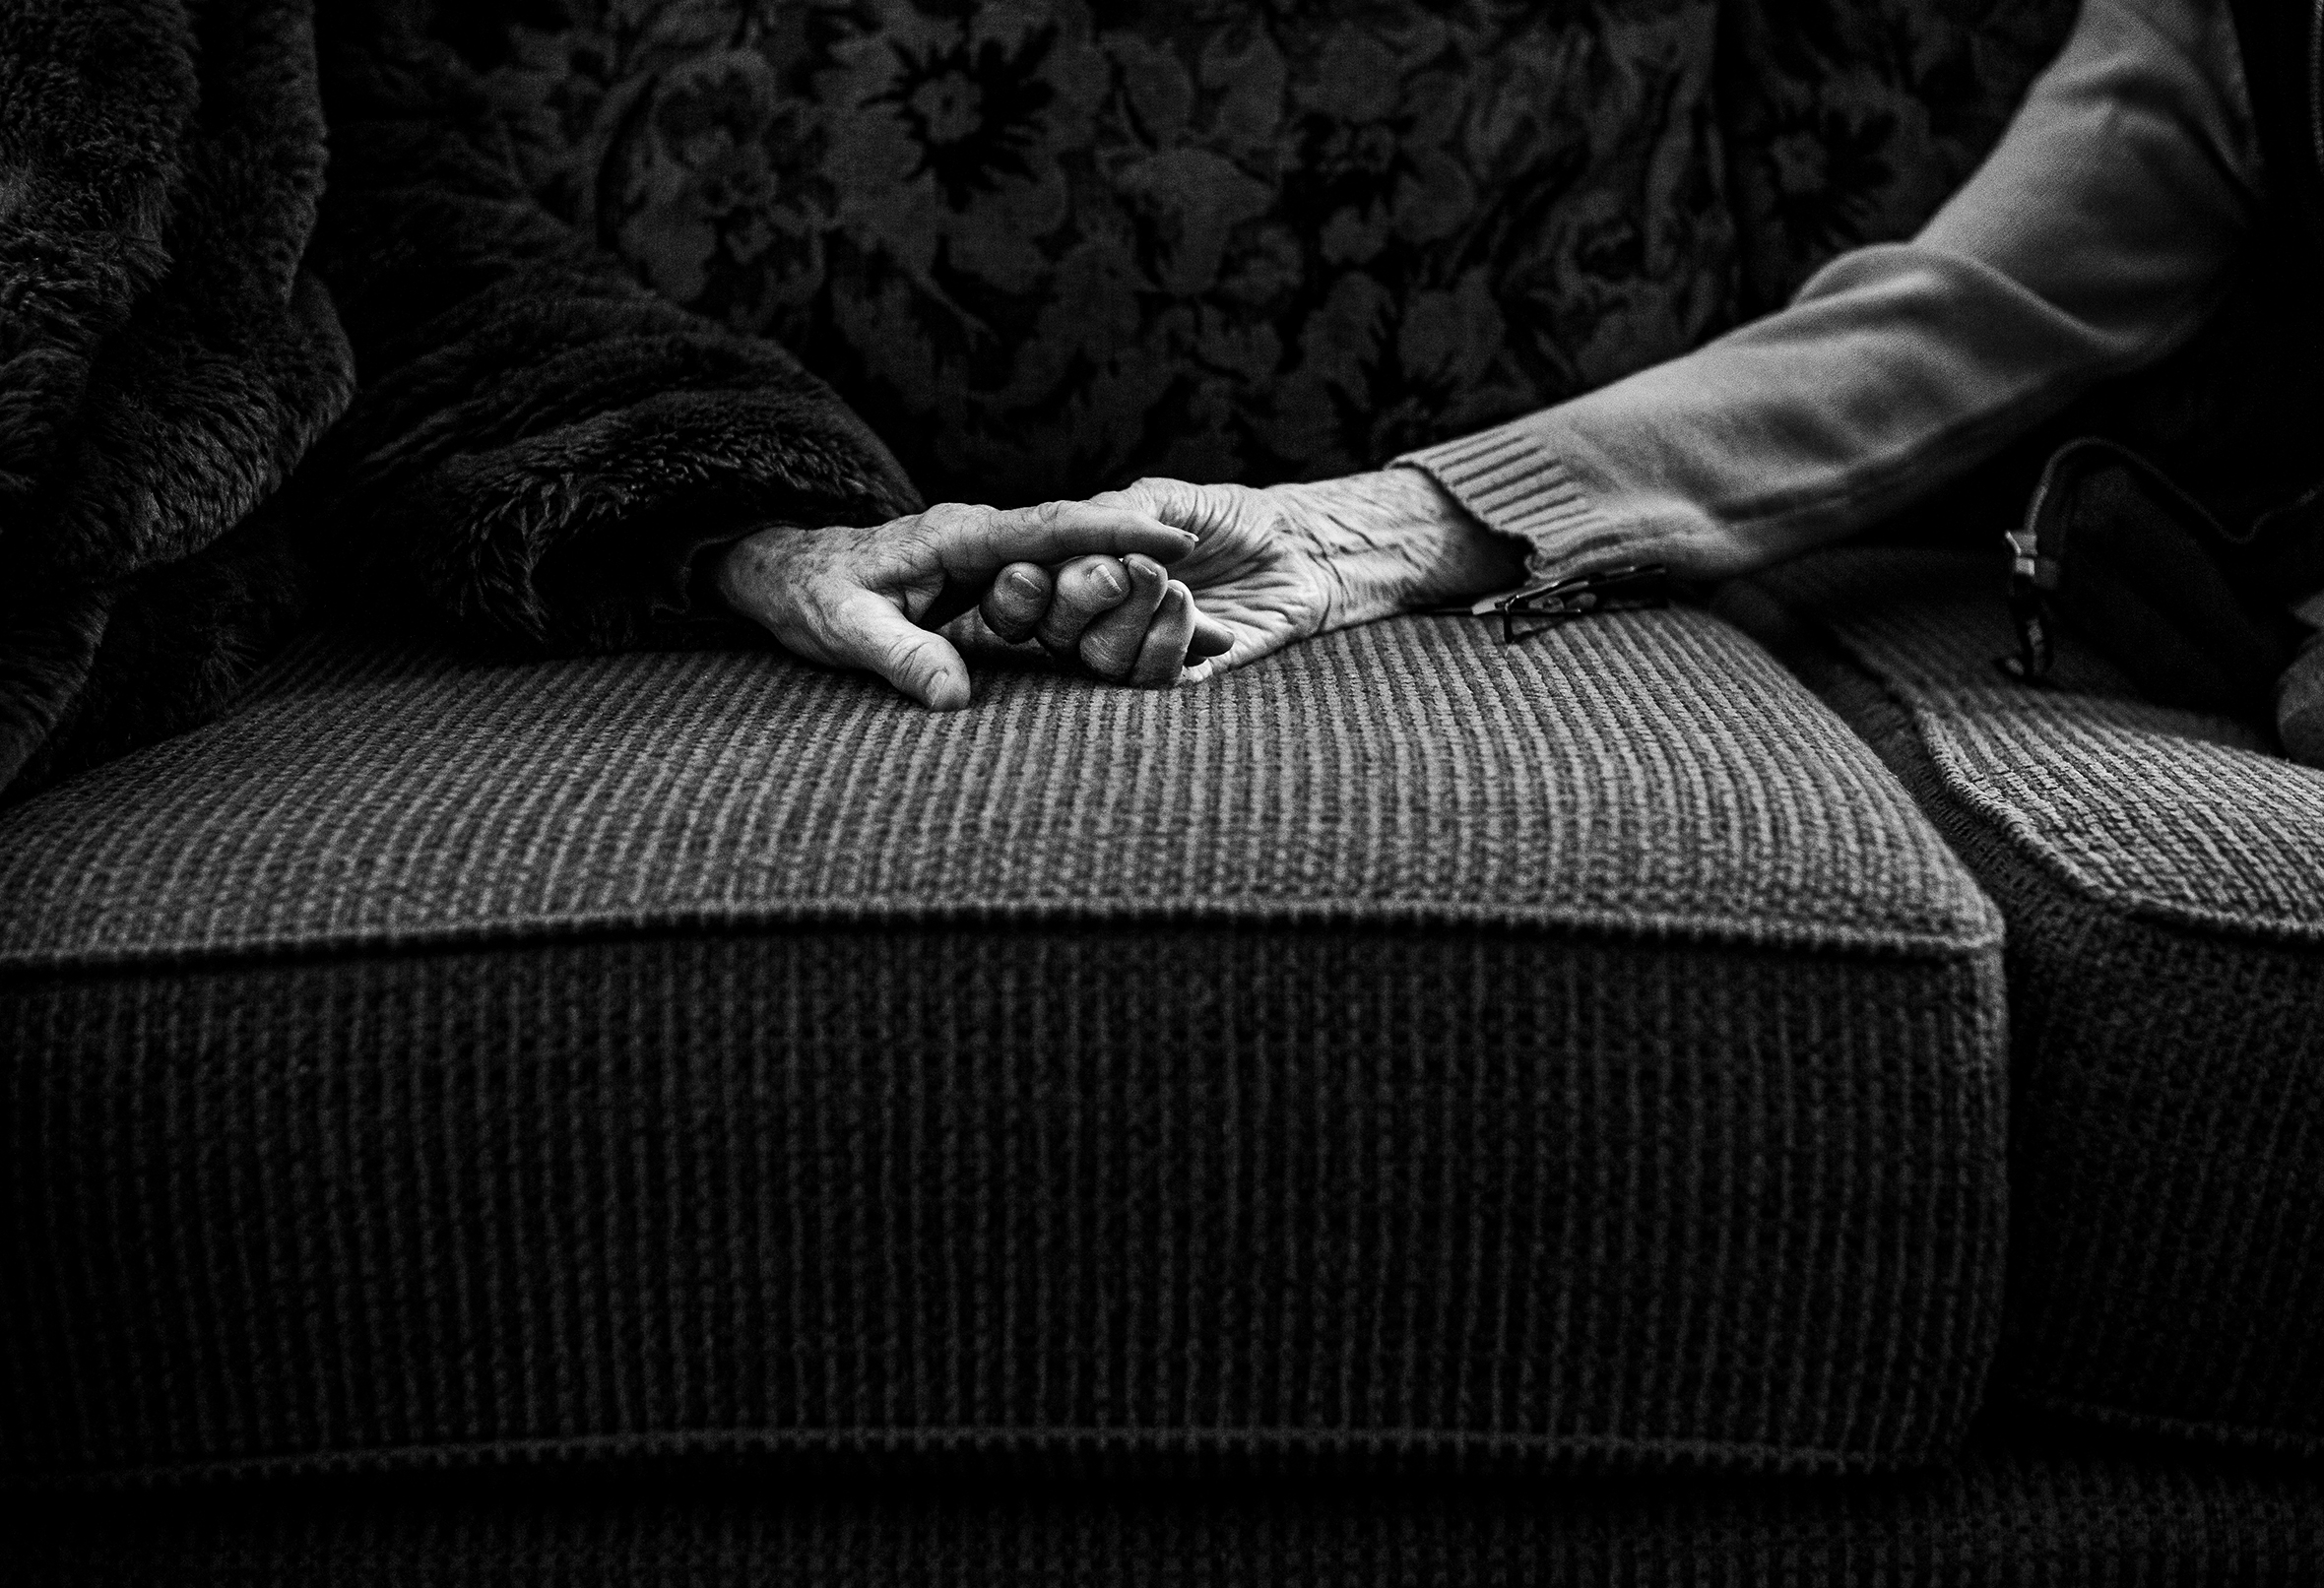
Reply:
x=1110, y=585
x=1026, y=583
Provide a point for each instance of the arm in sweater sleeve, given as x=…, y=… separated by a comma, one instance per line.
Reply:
x=540, y=452
x=2093, y=240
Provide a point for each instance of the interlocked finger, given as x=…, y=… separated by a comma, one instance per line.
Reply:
x=1088, y=588
x=974, y=543
x=1110, y=645
x=1168, y=642
x=1018, y=600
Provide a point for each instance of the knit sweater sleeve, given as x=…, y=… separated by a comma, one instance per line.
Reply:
x=2093, y=239
x=541, y=452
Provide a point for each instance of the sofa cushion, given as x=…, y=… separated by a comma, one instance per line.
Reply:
x=1579, y=1051
x=2162, y=875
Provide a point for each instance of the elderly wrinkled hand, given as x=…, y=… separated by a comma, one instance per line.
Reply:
x=872, y=597
x=1270, y=567
x=1120, y=618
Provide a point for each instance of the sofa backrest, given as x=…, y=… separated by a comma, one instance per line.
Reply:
x=1045, y=246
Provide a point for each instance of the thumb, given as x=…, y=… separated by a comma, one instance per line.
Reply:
x=867, y=631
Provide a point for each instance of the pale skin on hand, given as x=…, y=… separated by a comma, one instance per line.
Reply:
x=1271, y=567
x=1122, y=619
x=872, y=597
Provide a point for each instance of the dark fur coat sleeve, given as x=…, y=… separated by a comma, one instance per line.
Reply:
x=542, y=451
x=165, y=360
x=483, y=426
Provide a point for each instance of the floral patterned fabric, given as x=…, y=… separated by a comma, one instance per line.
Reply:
x=1851, y=121
x=1045, y=246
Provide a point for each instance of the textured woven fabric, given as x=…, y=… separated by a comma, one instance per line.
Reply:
x=1653, y=774
x=2163, y=880
x=1579, y=1051
x=2037, y=1516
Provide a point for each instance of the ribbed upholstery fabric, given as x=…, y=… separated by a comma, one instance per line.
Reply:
x=2004, y=1515
x=1651, y=775
x=2162, y=875
x=1570, y=1053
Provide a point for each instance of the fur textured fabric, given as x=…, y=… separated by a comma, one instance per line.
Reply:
x=233, y=380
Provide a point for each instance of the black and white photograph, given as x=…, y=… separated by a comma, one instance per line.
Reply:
x=1162, y=793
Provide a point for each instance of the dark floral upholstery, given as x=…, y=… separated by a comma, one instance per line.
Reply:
x=1045, y=246
x=1042, y=253
x=1850, y=121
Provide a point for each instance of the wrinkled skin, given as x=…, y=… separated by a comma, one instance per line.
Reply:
x=1284, y=564
x=872, y=597
x=1162, y=583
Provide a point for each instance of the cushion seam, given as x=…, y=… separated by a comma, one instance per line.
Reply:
x=1746, y=934
x=1553, y=1451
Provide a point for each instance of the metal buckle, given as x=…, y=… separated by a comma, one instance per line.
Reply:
x=1616, y=589
x=2031, y=577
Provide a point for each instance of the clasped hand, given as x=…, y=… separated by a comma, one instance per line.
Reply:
x=873, y=597
x=1092, y=581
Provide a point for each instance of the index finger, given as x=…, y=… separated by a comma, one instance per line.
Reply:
x=974, y=543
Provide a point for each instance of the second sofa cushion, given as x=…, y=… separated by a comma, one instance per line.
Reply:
x=2162, y=874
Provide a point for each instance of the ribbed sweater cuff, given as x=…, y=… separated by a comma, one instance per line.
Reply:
x=1514, y=484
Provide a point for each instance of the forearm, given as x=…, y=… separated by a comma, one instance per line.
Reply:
x=2094, y=240
x=1904, y=368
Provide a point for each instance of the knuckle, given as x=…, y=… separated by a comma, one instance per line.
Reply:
x=1112, y=647
x=947, y=518
x=890, y=538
